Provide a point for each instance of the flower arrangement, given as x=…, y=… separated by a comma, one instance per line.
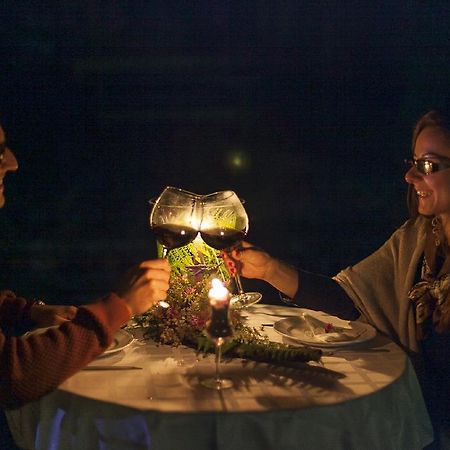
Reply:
x=188, y=311
x=184, y=321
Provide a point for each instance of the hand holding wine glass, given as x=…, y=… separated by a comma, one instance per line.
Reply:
x=144, y=285
x=254, y=262
x=251, y=261
x=224, y=224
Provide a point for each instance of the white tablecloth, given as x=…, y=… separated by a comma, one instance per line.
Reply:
x=363, y=397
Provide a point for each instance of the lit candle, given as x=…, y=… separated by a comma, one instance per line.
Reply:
x=218, y=326
x=218, y=295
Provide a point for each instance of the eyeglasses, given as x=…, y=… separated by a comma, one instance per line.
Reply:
x=427, y=167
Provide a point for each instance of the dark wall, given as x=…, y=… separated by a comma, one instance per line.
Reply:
x=303, y=108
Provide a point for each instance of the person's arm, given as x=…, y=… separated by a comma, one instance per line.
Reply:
x=18, y=315
x=282, y=276
x=298, y=287
x=32, y=367
x=254, y=262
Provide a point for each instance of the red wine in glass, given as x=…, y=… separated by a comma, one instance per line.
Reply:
x=224, y=224
x=173, y=236
x=222, y=238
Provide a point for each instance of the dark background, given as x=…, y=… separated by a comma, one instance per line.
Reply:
x=304, y=108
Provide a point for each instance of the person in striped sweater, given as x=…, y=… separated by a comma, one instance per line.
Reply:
x=34, y=366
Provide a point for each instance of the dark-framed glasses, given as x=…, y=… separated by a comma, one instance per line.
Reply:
x=426, y=166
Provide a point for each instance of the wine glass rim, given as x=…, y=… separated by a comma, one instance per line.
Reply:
x=181, y=190
x=153, y=200
x=228, y=193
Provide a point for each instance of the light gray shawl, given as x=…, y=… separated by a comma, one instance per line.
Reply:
x=379, y=284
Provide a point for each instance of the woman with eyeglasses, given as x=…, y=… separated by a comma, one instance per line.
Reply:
x=30, y=367
x=403, y=289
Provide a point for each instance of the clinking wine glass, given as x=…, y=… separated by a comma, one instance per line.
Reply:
x=218, y=329
x=175, y=219
x=224, y=225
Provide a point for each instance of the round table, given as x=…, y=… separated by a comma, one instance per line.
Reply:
x=361, y=396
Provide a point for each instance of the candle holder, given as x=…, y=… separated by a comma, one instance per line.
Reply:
x=218, y=329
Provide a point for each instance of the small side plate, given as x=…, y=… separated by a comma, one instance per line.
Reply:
x=295, y=328
x=122, y=339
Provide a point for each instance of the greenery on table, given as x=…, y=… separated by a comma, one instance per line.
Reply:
x=184, y=321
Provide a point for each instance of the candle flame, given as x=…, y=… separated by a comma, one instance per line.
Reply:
x=218, y=291
x=216, y=283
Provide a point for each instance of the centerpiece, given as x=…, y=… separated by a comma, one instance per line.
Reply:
x=184, y=224
x=183, y=317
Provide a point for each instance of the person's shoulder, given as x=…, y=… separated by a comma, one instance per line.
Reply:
x=413, y=227
x=415, y=223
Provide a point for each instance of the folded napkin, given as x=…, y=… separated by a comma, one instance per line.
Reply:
x=328, y=332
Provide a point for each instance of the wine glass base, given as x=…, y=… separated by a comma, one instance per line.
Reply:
x=217, y=384
x=245, y=299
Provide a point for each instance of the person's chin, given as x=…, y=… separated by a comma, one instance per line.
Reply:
x=426, y=208
x=425, y=212
x=2, y=200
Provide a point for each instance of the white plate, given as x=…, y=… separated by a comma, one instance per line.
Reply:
x=122, y=339
x=296, y=328
x=245, y=300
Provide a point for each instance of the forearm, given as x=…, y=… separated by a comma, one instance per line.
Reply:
x=283, y=277
x=31, y=367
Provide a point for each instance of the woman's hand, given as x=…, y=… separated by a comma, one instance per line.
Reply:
x=44, y=316
x=249, y=261
x=145, y=284
x=253, y=262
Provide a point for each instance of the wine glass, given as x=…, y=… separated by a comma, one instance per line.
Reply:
x=224, y=224
x=218, y=329
x=175, y=218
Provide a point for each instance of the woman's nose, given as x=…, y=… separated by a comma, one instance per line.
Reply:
x=413, y=175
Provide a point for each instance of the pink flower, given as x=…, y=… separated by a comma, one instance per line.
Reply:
x=197, y=321
x=189, y=291
x=172, y=313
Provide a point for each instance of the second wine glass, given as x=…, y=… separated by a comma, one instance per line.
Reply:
x=224, y=224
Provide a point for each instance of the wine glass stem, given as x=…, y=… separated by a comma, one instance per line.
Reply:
x=164, y=252
x=218, y=358
x=237, y=280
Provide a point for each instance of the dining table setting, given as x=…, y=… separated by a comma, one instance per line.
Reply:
x=144, y=395
x=209, y=369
